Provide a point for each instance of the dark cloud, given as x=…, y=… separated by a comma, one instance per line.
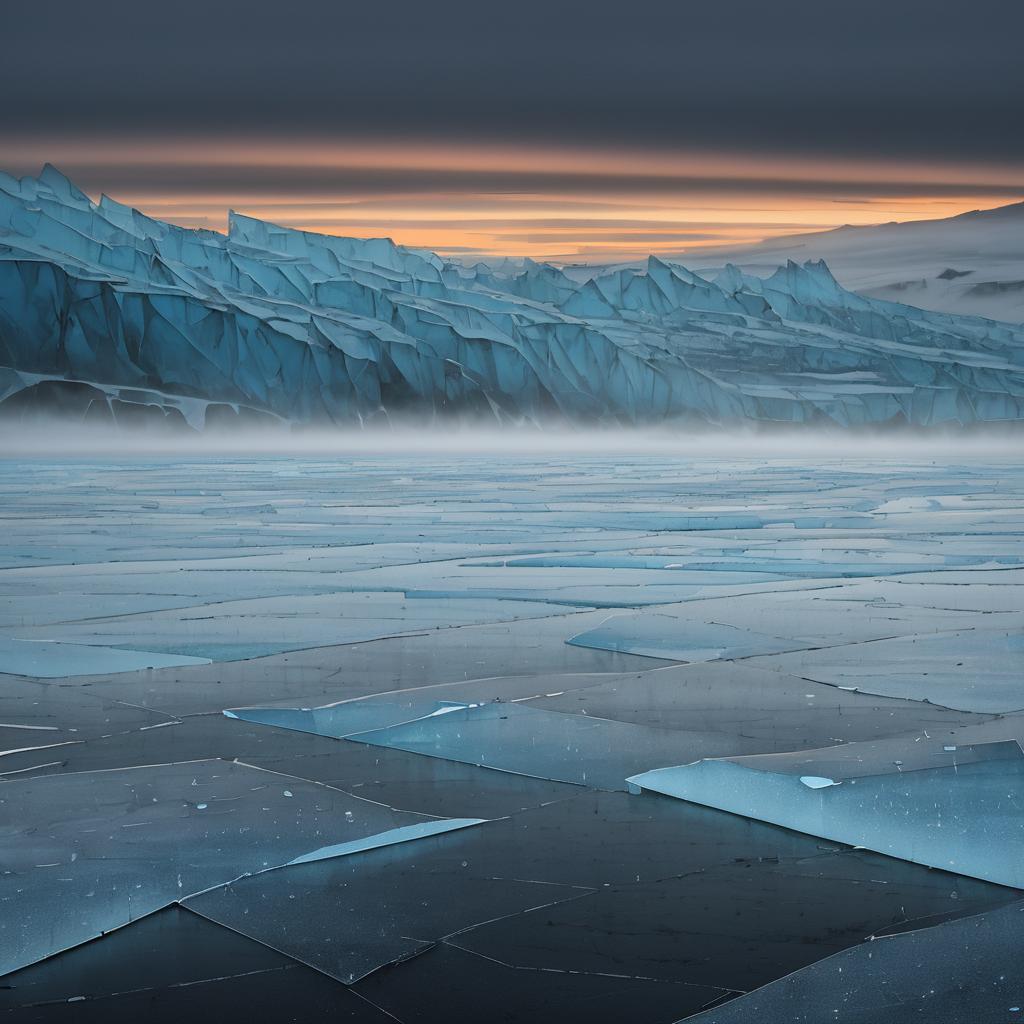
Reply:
x=886, y=77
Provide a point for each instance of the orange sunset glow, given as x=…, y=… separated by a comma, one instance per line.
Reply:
x=546, y=202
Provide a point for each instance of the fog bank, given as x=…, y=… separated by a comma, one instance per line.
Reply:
x=58, y=439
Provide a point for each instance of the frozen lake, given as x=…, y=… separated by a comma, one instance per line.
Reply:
x=631, y=734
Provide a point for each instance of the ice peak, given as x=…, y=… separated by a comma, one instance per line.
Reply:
x=809, y=281
x=61, y=185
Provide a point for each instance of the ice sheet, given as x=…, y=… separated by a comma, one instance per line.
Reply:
x=783, y=915
x=171, y=946
x=785, y=712
x=49, y=712
x=828, y=616
x=87, y=853
x=665, y=636
x=393, y=777
x=341, y=720
x=475, y=985
x=970, y=670
x=966, y=816
x=206, y=558
x=519, y=648
x=363, y=912
x=915, y=557
x=47, y=659
x=957, y=971
x=239, y=630
x=546, y=744
x=604, y=724
x=171, y=966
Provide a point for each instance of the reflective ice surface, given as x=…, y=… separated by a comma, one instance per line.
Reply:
x=368, y=649
x=87, y=853
x=962, y=810
x=531, y=741
x=362, y=913
x=663, y=636
x=976, y=669
x=47, y=659
x=966, y=970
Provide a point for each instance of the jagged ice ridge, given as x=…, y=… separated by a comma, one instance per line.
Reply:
x=108, y=314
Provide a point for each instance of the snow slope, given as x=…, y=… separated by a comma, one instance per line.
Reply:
x=108, y=314
x=972, y=264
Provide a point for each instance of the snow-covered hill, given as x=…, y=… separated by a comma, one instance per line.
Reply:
x=972, y=264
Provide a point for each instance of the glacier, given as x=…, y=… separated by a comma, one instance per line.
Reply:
x=107, y=315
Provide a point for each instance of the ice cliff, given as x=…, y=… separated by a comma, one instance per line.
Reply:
x=108, y=314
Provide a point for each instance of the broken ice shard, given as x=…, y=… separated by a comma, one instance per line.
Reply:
x=664, y=636
x=348, y=917
x=87, y=853
x=508, y=737
x=956, y=808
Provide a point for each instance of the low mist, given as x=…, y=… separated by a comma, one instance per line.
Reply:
x=55, y=439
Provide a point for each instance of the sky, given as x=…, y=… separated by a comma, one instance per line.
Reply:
x=577, y=131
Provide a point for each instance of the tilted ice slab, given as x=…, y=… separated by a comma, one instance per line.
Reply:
x=49, y=659
x=737, y=699
x=821, y=617
x=676, y=639
x=345, y=719
x=349, y=917
x=87, y=853
x=956, y=808
x=974, y=669
x=237, y=630
x=110, y=315
x=957, y=971
x=505, y=736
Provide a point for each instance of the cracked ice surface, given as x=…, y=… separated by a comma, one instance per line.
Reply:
x=661, y=636
x=448, y=589
x=976, y=670
x=110, y=315
x=960, y=970
x=87, y=853
x=355, y=917
x=346, y=915
x=966, y=815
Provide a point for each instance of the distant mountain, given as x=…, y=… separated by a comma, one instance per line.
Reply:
x=109, y=316
x=972, y=264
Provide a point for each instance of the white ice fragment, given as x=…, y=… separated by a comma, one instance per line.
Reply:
x=817, y=781
x=950, y=817
x=391, y=837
